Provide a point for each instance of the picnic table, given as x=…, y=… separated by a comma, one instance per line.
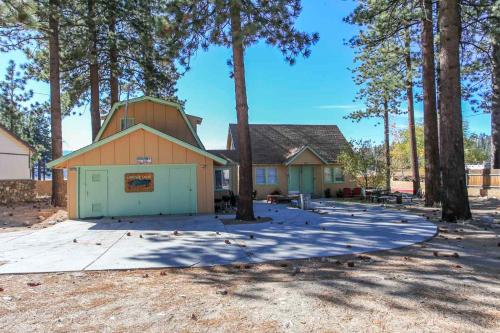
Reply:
x=279, y=198
x=383, y=196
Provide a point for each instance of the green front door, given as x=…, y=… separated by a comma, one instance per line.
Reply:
x=307, y=185
x=294, y=178
x=182, y=190
x=96, y=193
x=301, y=178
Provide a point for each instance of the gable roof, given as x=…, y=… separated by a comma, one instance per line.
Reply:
x=17, y=137
x=276, y=144
x=229, y=155
x=297, y=152
x=128, y=131
x=176, y=106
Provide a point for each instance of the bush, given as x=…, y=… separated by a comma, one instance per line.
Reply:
x=328, y=193
x=276, y=192
x=339, y=193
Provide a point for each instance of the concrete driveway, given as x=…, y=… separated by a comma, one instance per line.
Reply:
x=148, y=242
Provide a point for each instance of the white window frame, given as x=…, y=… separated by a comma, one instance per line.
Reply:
x=228, y=186
x=333, y=170
x=266, y=176
x=328, y=179
x=336, y=171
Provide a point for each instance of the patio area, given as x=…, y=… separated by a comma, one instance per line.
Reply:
x=203, y=240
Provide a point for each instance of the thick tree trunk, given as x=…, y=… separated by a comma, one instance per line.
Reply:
x=95, y=114
x=431, y=136
x=245, y=202
x=58, y=199
x=113, y=54
x=495, y=107
x=387, y=146
x=411, y=115
x=455, y=201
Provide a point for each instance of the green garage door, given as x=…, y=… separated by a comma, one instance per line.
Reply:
x=172, y=191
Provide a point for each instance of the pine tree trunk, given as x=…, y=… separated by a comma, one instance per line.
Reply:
x=387, y=146
x=455, y=202
x=431, y=141
x=245, y=202
x=95, y=114
x=58, y=199
x=39, y=170
x=12, y=111
x=148, y=59
x=495, y=108
x=113, y=54
x=411, y=115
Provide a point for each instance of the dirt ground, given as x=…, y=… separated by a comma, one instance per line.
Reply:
x=448, y=284
x=36, y=215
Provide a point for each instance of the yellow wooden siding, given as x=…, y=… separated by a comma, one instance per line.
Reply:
x=161, y=117
x=72, y=189
x=125, y=150
x=307, y=157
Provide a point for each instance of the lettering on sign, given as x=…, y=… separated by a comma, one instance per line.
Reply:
x=144, y=160
x=139, y=182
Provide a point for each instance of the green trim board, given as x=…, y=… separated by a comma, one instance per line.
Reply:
x=128, y=131
x=297, y=154
x=151, y=99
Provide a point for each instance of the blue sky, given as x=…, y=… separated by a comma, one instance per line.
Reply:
x=317, y=90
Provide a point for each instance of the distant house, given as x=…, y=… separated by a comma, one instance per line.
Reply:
x=15, y=156
x=287, y=158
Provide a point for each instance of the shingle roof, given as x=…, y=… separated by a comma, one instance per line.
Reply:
x=274, y=144
x=229, y=155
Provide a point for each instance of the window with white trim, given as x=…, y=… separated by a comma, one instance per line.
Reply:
x=222, y=179
x=266, y=176
x=339, y=175
x=333, y=175
x=126, y=122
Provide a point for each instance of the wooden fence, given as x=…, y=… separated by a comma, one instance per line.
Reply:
x=485, y=181
x=483, y=178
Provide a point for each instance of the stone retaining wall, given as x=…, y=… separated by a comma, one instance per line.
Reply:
x=17, y=190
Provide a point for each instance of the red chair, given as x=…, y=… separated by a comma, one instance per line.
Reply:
x=346, y=192
x=356, y=192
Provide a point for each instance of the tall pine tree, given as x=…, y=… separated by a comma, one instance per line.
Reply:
x=455, y=200
x=237, y=24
